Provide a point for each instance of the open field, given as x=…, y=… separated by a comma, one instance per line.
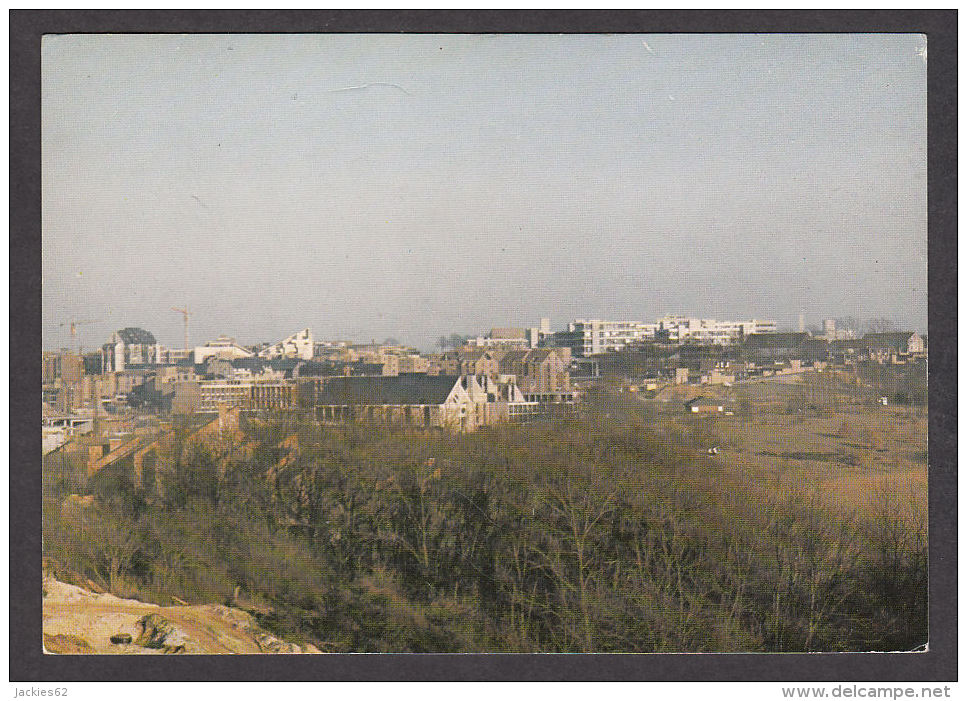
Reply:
x=851, y=454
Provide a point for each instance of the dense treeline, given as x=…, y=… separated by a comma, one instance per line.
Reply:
x=597, y=533
x=901, y=384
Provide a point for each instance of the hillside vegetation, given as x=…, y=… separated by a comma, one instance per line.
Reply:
x=607, y=532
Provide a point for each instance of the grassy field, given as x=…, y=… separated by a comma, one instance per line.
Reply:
x=853, y=455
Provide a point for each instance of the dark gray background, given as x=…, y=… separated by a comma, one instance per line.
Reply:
x=26, y=660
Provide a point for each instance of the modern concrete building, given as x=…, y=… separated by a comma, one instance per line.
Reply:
x=587, y=337
x=205, y=396
x=222, y=347
x=681, y=329
x=298, y=345
x=130, y=348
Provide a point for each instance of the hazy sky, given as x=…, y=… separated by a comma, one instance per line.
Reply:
x=400, y=185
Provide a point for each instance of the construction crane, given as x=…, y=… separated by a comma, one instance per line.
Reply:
x=185, y=313
x=73, y=324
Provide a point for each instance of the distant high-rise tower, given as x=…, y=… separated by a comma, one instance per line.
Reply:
x=829, y=328
x=545, y=325
x=802, y=322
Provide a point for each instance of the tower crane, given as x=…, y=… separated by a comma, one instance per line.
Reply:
x=185, y=313
x=73, y=324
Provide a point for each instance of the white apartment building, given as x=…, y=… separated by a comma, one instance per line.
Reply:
x=587, y=337
x=591, y=336
x=678, y=329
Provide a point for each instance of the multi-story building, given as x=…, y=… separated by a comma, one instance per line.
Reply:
x=50, y=366
x=502, y=337
x=471, y=361
x=413, y=362
x=221, y=347
x=177, y=356
x=130, y=348
x=587, y=337
x=205, y=396
x=62, y=365
x=507, y=337
x=681, y=329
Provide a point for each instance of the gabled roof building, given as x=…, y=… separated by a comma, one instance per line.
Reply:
x=414, y=400
x=897, y=342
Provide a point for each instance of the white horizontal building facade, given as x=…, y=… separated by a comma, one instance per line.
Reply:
x=678, y=329
x=586, y=337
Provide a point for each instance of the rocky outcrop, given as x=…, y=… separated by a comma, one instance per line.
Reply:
x=78, y=621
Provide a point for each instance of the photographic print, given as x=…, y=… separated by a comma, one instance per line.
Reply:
x=484, y=343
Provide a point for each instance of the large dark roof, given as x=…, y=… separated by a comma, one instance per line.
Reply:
x=255, y=364
x=539, y=355
x=888, y=339
x=512, y=357
x=315, y=368
x=135, y=335
x=406, y=388
x=841, y=344
x=360, y=367
x=816, y=342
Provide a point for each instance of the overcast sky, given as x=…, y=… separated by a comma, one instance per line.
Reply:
x=370, y=186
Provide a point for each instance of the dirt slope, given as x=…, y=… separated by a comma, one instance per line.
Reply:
x=77, y=621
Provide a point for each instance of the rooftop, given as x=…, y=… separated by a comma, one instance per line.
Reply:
x=406, y=388
x=135, y=335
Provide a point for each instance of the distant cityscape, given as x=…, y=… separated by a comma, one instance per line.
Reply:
x=507, y=374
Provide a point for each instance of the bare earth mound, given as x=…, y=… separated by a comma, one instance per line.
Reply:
x=78, y=622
